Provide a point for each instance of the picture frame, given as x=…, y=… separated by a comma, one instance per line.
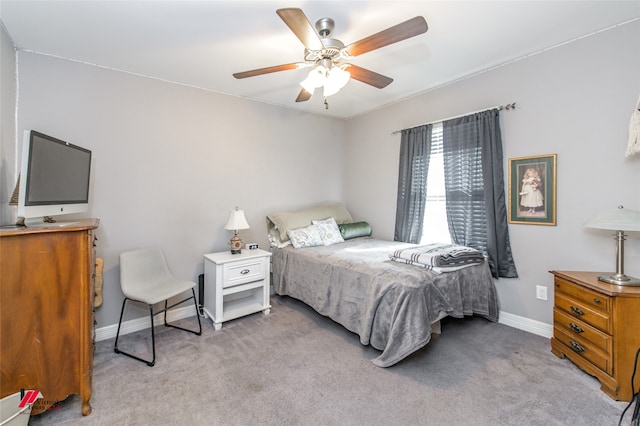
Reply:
x=532, y=190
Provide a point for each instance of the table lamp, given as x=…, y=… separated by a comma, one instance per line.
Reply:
x=618, y=220
x=236, y=222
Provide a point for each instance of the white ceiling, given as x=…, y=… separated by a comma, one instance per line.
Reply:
x=202, y=43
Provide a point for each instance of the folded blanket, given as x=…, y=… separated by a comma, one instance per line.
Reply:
x=439, y=256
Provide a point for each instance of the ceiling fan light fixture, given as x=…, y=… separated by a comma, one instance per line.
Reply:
x=330, y=90
x=316, y=78
x=337, y=78
x=307, y=85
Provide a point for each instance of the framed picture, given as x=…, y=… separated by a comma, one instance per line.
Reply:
x=532, y=190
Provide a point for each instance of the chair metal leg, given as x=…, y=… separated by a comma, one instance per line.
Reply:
x=195, y=303
x=119, y=324
x=153, y=340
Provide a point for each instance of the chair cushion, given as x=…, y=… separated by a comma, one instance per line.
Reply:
x=145, y=277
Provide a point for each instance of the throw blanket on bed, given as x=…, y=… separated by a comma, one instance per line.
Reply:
x=390, y=305
x=440, y=257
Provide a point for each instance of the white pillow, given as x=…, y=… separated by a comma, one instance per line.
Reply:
x=329, y=231
x=305, y=237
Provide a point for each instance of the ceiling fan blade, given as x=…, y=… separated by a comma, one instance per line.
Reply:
x=402, y=31
x=303, y=96
x=267, y=70
x=369, y=77
x=301, y=27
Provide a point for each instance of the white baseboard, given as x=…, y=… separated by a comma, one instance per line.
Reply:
x=532, y=326
x=109, y=331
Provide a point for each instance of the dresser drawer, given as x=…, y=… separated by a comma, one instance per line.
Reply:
x=577, y=309
x=593, y=299
x=244, y=272
x=585, y=349
x=572, y=326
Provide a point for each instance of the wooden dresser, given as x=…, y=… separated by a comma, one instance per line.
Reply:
x=46, y=312
x=597, y=326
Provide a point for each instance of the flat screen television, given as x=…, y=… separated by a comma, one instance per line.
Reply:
x=54, y=178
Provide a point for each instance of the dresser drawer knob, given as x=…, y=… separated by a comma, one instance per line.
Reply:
x=596, y=300
x=577, y=311
x=576, y=346
x=245, y=271
x=576, y=328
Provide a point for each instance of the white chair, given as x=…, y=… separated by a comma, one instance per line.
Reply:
x=145, y=278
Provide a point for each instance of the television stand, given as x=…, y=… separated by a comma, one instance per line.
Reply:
x=46, y=311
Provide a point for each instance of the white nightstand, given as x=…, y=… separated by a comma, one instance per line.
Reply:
x=236, y=284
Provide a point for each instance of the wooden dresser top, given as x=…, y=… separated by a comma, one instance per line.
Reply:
x=590, y=280
x=61, y=226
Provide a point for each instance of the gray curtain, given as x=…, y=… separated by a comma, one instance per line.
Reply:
x=415, y=149
x=474, y=185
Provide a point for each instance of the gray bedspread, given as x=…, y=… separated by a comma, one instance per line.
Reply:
x=390, y=305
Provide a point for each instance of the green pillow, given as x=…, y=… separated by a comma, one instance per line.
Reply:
x=354, y=230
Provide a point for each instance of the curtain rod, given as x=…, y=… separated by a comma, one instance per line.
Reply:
x=512, y=105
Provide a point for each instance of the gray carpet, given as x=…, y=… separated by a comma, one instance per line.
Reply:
x=294, y=367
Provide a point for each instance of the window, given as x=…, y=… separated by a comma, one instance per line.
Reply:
x=435, y=228
x=469, y=151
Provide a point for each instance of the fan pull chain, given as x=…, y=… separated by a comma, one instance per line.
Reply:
x=326, y=103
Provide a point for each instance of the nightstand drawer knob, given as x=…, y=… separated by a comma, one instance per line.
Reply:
x=576, y=346
x=577, y=311
x=245, y=271
x=575, y=328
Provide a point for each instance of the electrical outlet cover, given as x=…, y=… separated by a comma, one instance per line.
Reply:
x=541, y=292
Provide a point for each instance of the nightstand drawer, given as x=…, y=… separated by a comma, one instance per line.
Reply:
x=583, y=312
x=572, y=326
x=595, y=300
x=585, y=349
x=245, y=272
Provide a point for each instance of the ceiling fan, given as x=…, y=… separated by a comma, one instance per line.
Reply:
x=330, y=58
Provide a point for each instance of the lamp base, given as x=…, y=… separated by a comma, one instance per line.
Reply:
x=620, y=279
x=235, y=244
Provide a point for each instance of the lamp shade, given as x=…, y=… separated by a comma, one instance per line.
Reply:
x=337, y=78
x=236, y=220
x=619, y=219
x=316, y=78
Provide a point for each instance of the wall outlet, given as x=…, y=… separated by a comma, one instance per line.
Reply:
x=541, y=292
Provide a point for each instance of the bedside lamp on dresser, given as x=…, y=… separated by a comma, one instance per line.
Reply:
x=618, y=220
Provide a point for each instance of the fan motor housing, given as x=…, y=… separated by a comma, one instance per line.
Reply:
x=324, y=26
x=332, y=47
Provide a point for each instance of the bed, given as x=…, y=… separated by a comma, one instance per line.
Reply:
x=392, y=305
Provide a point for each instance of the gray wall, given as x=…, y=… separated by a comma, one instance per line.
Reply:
x=171, y=161
x=8, y=88
x=574, y=101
